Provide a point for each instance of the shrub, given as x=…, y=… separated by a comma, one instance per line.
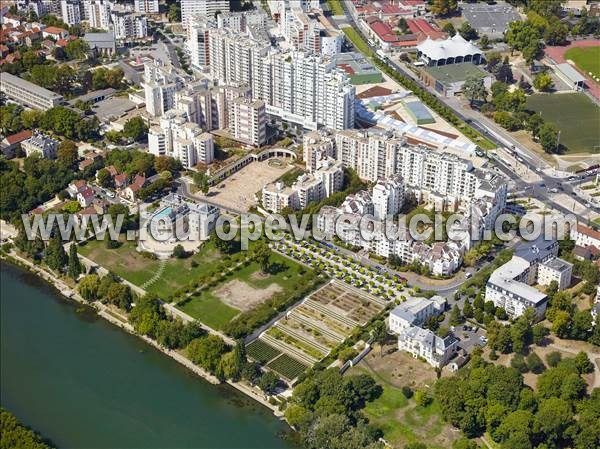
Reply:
x=535, y=364
x=407, y=392
x=553, y=358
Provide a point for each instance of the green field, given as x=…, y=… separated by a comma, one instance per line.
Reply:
x=129, y=264
x=576, y=116
x=208, y=308
x=586, y=58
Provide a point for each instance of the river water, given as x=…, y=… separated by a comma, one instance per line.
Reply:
x=83, y=383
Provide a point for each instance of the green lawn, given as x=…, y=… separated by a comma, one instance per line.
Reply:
x=209, y=309
x=586, y=58
x=127, y=263
x=576, y=116
x=335, y=6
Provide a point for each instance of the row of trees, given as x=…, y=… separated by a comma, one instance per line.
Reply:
x=494, y=399
x=106, y=289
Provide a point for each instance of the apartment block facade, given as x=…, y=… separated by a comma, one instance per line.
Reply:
x=248, y=121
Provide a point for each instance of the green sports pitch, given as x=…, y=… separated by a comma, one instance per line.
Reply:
x=575, y=115
x=586, y=58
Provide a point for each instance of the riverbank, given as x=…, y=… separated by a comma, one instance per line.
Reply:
x=121, y=321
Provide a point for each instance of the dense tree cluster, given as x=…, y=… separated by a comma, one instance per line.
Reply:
x=59, y=120
x=14, y=435
x=107, y=289
x=23, y=190
x=326, y=410
x=487, y=398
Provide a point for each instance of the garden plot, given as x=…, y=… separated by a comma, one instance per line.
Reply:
x=312, y=329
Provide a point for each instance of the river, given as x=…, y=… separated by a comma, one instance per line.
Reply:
x=84, y=383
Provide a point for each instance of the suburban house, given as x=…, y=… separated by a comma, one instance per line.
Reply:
x=131, y=191
x=9, y=144
x=585, y=236
x=42, y=145
x=76, y=186
x=86, y=197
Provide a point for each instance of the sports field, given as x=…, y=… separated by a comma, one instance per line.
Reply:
x=576, y=116
x=586, y=58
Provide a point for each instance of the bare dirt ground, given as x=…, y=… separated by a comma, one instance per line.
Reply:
x=398, y=368
x=244, y=297
x=238, y=191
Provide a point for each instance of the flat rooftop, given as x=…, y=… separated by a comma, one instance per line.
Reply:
x=26, y=85
x=558, y=264
x=490, y=18
x=454, y=73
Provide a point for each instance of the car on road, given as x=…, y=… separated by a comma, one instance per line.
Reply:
x=553, y=190
x=572, y=178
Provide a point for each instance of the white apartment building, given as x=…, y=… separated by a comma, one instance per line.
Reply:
x=98, y=13
x=28, y=94
x=317, y=147
x=209, y=107
x=414, y=312
x=248, y=121
x=146, y=6
x=583, y=235
x=388, y=197
x=240, y=22
x=425, y=344
x=40, y=144
x=510, y=286
x=129, y=26
x=298, y=88
x=307, y=189
x=161, y=82
x=300, y=31
x=181, y=139
x=558, y=270
x=71, y=11
x=206, y=8
x=276, y=197
x=197, y=41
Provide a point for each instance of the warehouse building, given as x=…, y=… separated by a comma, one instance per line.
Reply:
x=448, y=80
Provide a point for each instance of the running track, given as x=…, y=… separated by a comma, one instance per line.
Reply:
x=558, y=55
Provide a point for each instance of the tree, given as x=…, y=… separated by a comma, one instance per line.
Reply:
x=207, y=352
x=422, y=398
x=136, y=129
x=262, y=255
x=88, y=287
x=67, y=153
x=56, y=258
x=104, y=178
x=455, y=316
x=553, y=358
x=31, y=118
x=73, y=266
x=583, y=363
x=543, y=82
x=179, y=252
x=467, y=31
x=468, y=309
x=444, y=7
x=474, y=89
x=298, y=416
x=268, y=382
x=484, y=42
x=533, y=124
x=119, y=295
x=76, y=49
x=554, y=417
x=535, y=364
x=174, y=14
x=201, y=181
x=518, y=363
x=548, y=136
x=539, y=333
x=561, y=325
x=449, y=29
